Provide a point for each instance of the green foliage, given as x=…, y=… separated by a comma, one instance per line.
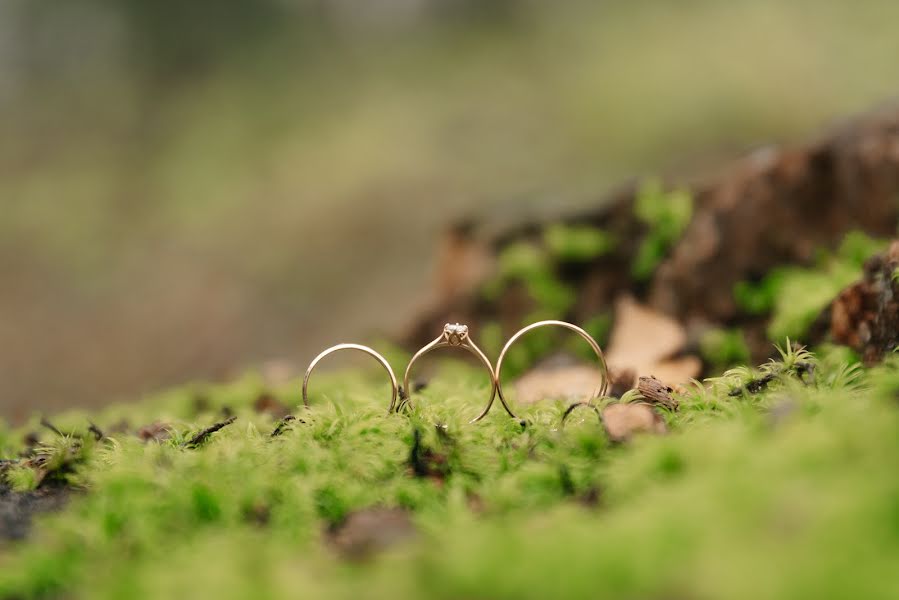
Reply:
x=599, y=327
x=577, y=243
x=795, y=296
x=536, y=265
x=553, y=297
x=491, y=338
x=723, y=348
x=803, y=295
x=794, y=480
x=857, y=247
x=522, y=260
x=529, y=264
x=759, y=298
x=666, y=214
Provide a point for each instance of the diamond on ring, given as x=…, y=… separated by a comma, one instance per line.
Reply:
x=455, y=334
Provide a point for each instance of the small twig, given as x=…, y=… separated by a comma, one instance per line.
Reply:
x=204, y=434
x=754, y=386
x=98, y=433
x=281, y=427
x=656, y=392
x=805, y=371
x=47, y=424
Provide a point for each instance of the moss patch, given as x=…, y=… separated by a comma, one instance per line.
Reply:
x=795, y=296
x=793, y=480
x=666, y=215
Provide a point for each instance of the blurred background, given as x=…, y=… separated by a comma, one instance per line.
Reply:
x=191, y=188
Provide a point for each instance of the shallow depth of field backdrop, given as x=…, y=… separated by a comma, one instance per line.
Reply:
x=189, y=188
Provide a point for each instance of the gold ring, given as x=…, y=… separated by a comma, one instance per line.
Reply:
x=455, y=336
x=361, y=348
x=596, y=350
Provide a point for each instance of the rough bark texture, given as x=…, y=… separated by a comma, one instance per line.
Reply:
x=773, y=207
x=865, y=316
x=656, y=392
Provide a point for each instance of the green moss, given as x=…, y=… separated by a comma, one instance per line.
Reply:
x=804, y=294
x=666, y=215
x=529, y=264
x=522, y=260
x=724, y=348
x=857, y=247
x=795, y=296
x=553, y=297
x=759, y=298
x=577, y=243
x=22, y=478
x=795, y=481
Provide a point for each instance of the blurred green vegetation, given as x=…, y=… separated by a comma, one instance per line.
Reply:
x=536, y=265
x=795, y=296
x=577, y=243
x=723, y=348
x=188, y=187
x=789, y=492
x=666, y=215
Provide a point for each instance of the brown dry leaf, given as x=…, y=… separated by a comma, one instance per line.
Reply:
x=568, y=382
x=676, y=371
x=622, y=421
x=641, y=343
x=643, y=340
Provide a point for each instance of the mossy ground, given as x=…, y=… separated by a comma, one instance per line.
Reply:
x=789, y=492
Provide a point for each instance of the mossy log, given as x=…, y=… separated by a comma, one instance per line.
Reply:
x=865, y=315
x=777, y=206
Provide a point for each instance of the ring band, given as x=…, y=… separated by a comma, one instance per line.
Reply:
x=455, y=336
x=604, y=370
x=360, y=348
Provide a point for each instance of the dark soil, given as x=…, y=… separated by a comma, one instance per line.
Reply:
x=18, y=508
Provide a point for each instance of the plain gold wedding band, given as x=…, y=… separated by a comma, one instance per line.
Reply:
x=360, y=348
x=604, y=370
